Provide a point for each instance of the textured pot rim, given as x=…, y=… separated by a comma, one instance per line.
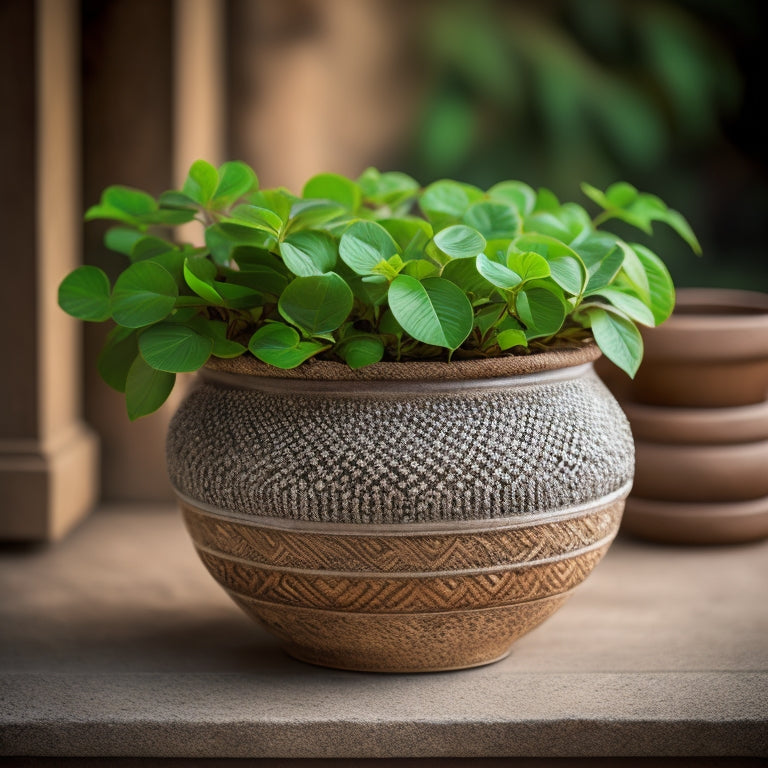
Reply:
x=330, y=372
x=408, y=529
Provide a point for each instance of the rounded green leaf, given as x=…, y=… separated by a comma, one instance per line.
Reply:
x=359, y=351
x=256, y=217
x=330, y=186
x=84, y=294
x=541, y=311
x=144, y=293
x=122, y=239
x=444, y=202
x=364, y=245
x=497, y=274
x=201, y=183
x=434, y=311
x=630, y=305
x=146, y=388
x=235, y=180
x=309, y=253
x=529, y=265
x=174, y=348
x=279, y=345
x=494, y=221
x=661, y=290
x=318, y=304
x=116, y=357
x=460, y=242
x=618, y=338
x=515, y=193
x=199, y=274
x=566, y=267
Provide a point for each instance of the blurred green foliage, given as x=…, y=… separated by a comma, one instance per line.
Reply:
x=558, y=91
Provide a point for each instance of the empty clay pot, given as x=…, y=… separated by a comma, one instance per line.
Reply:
x=712, y=352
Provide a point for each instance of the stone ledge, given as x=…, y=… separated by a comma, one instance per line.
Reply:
x=117, y=643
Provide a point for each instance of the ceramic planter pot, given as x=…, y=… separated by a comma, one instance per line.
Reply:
x=406, y=516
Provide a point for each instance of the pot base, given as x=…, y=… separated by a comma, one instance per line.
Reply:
x=400, y=643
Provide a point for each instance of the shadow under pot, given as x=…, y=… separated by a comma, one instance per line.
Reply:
x=712, y=352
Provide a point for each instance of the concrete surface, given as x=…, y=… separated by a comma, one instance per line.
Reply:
x=116, y=642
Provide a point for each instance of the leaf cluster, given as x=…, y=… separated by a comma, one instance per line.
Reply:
x=358, y=271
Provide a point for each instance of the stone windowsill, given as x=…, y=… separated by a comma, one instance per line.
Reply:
x=116, y=642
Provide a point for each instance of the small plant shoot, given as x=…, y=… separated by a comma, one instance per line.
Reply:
x=367, y=270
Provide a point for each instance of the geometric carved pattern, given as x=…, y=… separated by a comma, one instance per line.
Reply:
x=402, y=602
x=405, y=594
x=402, y=553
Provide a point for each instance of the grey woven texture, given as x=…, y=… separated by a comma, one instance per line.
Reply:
x=399, y=459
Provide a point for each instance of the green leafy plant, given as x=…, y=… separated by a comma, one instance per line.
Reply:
x=360, y=271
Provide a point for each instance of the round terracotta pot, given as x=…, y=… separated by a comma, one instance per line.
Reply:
x=406, y=516
x=712, y=352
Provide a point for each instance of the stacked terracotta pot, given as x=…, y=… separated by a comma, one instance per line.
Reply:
x=699, y=414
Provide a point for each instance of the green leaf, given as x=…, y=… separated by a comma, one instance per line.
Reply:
x=223, y=239
x=460, y=242
x=148, y=246
x=257, y=218
x=122, y=239
x=546, y=200
x=511, y=337
x=515, y=193
x=236, y=179
x=617, y=337
x=216, y=330
x=331, y=186
x=541, y=311
x=238, y=296
x=654, y=283
x=117, y=355
x=144, y=293
x=199, y=275
x=630, y=305
x=310, y=214
x=434, y=311
x=174, y=348
x=85, y=294
x=391, y=188
x=201, y=183
x=410, y=233
x=529, y=265
x=463, y=272
x=279, y=345
x=361, y=350
x=309, y=253
x=122, y=204
x=177, y=200
x=498, y=274
x=364, y=245
x=494, y=221
x=566, y=266
x=318, y=304
x=444, y=203
x=146, y=389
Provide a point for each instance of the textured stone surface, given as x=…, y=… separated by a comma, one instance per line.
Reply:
x=117, y=642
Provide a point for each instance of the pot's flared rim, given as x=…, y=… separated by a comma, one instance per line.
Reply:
x=413, y=371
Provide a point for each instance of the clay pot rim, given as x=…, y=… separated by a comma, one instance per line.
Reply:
x=413, y=371
x=711, y=336
x=680, y=425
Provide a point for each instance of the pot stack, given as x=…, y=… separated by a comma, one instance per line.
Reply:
x=699, y=414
